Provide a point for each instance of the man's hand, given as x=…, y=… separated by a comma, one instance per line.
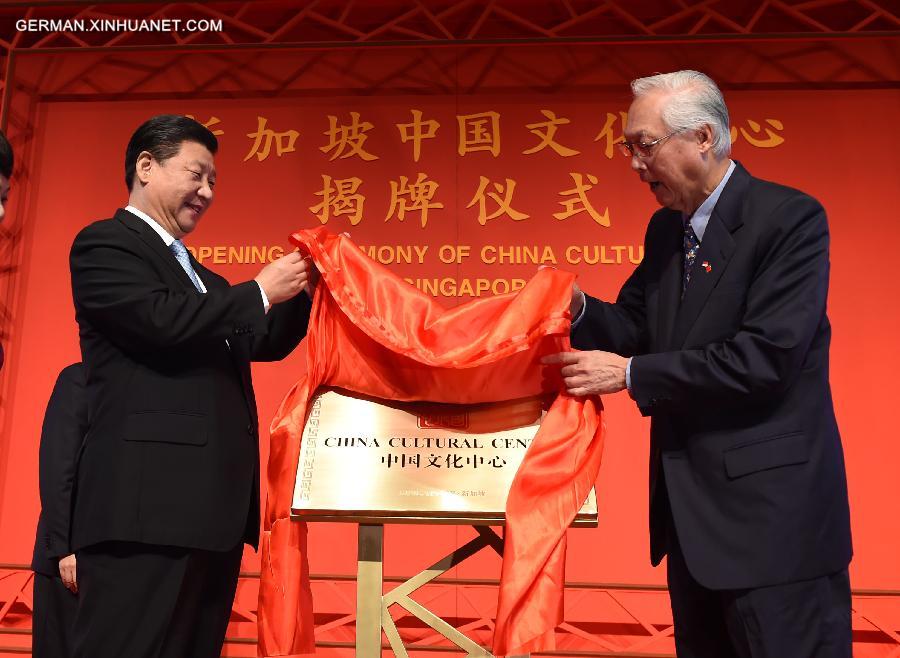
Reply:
x=578, y=300
x=282, y=279
x=590, y=373
x=67, y=573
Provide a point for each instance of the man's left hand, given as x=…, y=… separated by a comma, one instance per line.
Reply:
x=590, y=373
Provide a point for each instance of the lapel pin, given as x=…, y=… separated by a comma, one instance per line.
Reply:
x=706, y=266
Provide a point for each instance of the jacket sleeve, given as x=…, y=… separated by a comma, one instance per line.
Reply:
x=286, y=326
x=618, y=327
x=785, y=309
x=120, y=293
x=64, y=429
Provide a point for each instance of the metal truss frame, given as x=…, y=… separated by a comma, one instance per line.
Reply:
x=330, y=23
x=639, y=632
x=778, y=37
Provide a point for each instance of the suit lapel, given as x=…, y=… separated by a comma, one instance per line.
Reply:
x=152, y=239
x=715, y=252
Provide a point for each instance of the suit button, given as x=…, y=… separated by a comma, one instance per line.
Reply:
x=249, y=429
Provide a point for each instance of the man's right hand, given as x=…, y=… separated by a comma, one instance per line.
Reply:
x=67, y=573
x=282, y=279
x=578, y=299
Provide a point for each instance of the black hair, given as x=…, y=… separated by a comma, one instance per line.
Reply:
x=162, y=137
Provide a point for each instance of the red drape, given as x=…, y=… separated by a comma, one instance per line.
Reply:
x=373, y=333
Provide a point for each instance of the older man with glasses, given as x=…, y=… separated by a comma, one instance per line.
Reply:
x=720, y=335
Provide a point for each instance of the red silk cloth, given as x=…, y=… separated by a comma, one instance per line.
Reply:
x=373, y=333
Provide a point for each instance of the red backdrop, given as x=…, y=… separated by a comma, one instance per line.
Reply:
x=831, y=144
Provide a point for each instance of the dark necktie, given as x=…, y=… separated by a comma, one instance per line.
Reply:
x=691, y=246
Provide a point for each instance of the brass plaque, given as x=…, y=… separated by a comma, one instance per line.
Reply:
x=378, y=461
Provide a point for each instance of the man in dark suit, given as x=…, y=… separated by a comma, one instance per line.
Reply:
x=720, y=336
x=6, y=167
x=55, y=583
x=168, y=478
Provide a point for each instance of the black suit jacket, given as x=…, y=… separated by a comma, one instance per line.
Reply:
x=171, y=456
x=64, y=428
x=735, y=380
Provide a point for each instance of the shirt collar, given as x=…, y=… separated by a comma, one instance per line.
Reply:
x=700, y=218
x=163, y=233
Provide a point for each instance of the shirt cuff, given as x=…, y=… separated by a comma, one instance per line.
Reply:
x=265, y=300
x=628, y=377
x=576, y=320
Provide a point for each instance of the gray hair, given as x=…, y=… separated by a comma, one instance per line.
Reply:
x=696, y=101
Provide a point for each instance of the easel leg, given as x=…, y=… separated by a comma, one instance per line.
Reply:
x=369, y=573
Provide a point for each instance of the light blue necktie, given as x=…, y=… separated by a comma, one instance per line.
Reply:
x=181, y=255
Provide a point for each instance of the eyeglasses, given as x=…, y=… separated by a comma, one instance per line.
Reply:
x=643, y=149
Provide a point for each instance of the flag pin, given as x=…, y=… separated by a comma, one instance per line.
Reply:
x=706, y=266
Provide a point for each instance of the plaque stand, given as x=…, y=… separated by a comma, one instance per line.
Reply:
x=375, y=462
x=373, y=608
